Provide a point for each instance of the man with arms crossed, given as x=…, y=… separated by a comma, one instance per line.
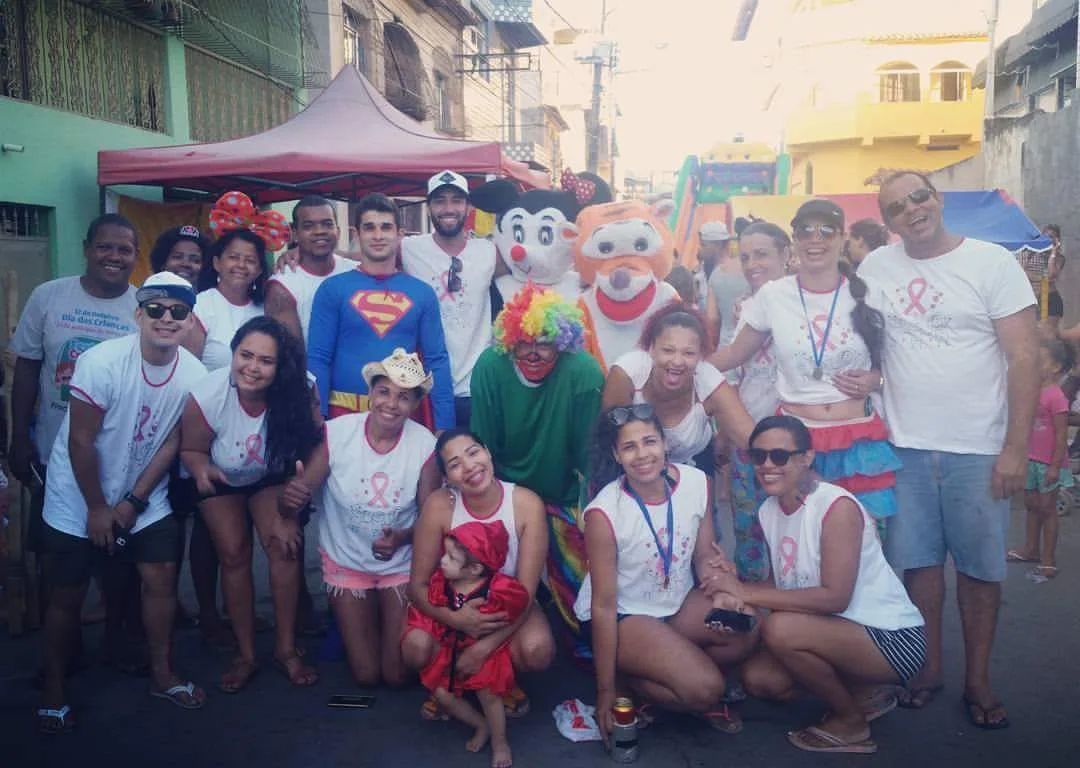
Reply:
x=108, y=485
x=961, y=384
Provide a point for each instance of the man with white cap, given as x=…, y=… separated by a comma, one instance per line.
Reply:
x=726, y=281
x=460, y=269
x=107, y=487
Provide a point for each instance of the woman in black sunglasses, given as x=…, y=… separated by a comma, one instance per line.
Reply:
x=827, y=343
x=649, y=534
x=245, y=430
x=840, y=621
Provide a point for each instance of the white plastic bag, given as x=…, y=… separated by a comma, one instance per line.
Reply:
x=576, y=721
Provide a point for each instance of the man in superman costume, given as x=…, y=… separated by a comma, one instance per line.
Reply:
x=364, y=314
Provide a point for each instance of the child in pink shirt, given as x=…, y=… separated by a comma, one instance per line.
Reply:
x=1048, y=468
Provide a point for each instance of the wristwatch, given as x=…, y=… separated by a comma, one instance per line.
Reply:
x=138, y=504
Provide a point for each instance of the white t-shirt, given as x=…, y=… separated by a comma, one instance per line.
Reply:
x=367, y=491
x=301, y=286
x=638, y=563
x=239, y=445
x=776, y=308
x=692, y=435
x=878, y=600
x=59, y=322
x=504, y=513
x=221, y=319
x=466, y=314
x=945, y=372
x=756, y=380
x=141, y=404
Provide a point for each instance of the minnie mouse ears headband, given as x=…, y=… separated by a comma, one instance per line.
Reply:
x=234, y=210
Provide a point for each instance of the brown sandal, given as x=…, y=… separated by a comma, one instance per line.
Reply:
x=238, y=675
x=293, y=667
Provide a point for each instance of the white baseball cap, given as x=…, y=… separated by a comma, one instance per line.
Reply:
x=165, y=285
x=447, y=179
x=714, y=232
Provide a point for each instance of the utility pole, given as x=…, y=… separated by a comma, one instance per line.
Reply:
x=991, y=63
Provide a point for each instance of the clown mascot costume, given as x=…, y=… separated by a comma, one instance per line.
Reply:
x=535, y=396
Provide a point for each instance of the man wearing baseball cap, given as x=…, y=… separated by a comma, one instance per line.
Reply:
x=725, y=279
x=106, y=489
x=460, y=269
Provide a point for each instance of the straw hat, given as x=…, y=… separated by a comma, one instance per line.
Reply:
x=404, y=369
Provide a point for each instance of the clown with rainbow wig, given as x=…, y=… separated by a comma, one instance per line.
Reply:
x=535, y=397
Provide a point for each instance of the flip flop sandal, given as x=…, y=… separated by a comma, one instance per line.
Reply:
x=57, y=716
x=305, y=676
x=1049, y=571
x=814, y=739
x=734, y=693
x=881, y=703
x=1012, y=556
x=975, y=711
x=245, y=672
x=173, y=694
x=919, y=697
x=726, y=720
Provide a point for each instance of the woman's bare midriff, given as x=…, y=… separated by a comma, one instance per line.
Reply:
x=842, y=411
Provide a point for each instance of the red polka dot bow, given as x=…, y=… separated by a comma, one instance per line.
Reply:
x=234, y=210
x=582, y=189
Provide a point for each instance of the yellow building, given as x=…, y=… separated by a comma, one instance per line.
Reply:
x=869, y=86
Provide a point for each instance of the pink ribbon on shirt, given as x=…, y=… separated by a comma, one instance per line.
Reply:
x=789, y=550
x=380, y=483
x=253, y=445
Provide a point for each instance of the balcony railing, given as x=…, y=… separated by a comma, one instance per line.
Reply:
x=516, y=24
x=867, y=121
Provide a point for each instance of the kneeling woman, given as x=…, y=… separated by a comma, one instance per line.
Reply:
x=377, y=471
x=648, y=534
x=840, y=620
x=244, y=429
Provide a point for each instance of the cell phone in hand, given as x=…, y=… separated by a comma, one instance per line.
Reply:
x=733, y=620
x=348, y=701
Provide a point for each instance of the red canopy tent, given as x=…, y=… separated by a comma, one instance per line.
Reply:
x=349, y=141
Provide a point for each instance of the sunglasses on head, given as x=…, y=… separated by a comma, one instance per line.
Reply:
x=778, y=456
x=807, y=231
x=622, y=414
x=157, y=311
x=918, y=197
x=453, y=280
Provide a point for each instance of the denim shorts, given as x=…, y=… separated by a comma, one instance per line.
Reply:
x=945, y=507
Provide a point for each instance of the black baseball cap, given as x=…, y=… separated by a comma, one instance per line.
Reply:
x=820, y=209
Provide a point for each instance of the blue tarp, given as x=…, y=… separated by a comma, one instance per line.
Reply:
x=992, y=216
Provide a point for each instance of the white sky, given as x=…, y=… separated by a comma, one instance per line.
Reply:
x=684, y=86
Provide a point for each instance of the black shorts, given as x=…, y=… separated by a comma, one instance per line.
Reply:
x=183, y=496
x=1055, y=307
x=247, y=491
x=71, y=560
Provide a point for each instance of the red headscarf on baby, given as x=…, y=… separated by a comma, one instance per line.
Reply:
x=234, y=210
x=487, y=542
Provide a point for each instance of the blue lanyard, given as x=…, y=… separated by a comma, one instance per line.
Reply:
x=819, y=354
x=665, y=557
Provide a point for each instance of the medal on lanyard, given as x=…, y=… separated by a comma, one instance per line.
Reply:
x=665, y=557
x=819, y=354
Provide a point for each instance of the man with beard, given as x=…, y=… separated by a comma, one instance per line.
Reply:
x=460, y=270
x=364, y=314
x=961, y=382
x=289, y=293
x=536, y=395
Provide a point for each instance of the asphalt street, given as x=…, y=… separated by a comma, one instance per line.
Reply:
x=272, y=725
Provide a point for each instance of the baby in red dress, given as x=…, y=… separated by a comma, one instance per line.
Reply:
x=469, y=571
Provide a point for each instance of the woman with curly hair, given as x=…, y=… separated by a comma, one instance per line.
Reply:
x=184, y=251
x=246, y=429
x=535, y=395
x=232, y=286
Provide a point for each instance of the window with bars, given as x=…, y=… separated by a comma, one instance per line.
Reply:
x=950, y=81
x=357, y=29
x=443, y=103
x=898, y=82
x=17, y=220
